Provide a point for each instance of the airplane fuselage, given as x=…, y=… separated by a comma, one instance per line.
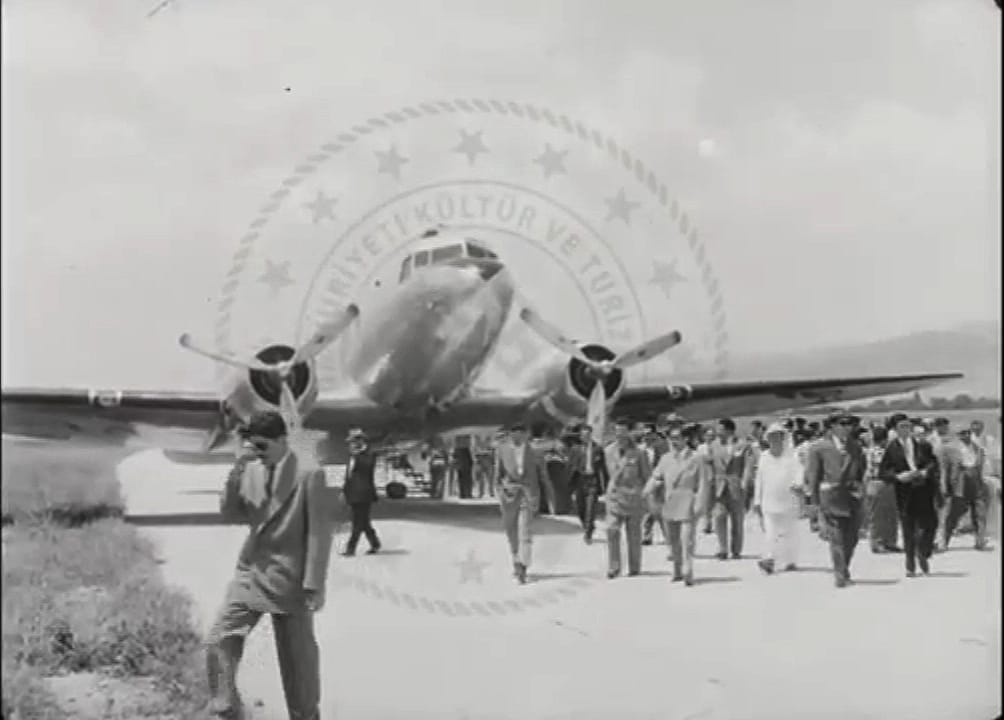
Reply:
x=425, y=346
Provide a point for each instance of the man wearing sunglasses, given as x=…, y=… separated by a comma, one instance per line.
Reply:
x=281, y=569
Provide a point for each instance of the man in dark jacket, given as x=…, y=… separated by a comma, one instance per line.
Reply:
x=911, y=466
x=360, y=492
x=835, y=470
x=588, y=469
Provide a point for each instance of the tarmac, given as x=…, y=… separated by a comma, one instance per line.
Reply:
x=435, y=627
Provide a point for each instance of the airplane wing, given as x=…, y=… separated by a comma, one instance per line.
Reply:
x=704, y=401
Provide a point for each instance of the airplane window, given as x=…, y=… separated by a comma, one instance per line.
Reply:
x=475, y=251
x=405, y=266
x=447, y=253
x=421, y=258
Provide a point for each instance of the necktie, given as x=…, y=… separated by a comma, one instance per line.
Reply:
x=269, y=482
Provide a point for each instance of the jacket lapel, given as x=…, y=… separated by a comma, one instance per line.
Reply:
x=285, y=483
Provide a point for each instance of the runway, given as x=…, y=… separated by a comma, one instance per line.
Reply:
x=435, y=627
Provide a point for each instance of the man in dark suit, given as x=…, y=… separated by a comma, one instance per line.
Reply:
x=835, y=471
x=463, y=460
x=281, y=570
x=727, y=465
x=360, y=493
x=654, y=446
x=910, y=465
x=588, y=467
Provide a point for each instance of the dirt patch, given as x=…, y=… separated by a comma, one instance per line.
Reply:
x=91, y=696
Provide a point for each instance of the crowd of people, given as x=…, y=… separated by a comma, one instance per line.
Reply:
x=904, y=485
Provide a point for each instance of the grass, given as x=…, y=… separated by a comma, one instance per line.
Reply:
x=84, y=597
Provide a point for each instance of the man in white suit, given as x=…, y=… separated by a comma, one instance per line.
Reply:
x=519, y=473
x=777, y=483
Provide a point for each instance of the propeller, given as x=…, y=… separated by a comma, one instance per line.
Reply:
x=325, y=334
x=600, y=369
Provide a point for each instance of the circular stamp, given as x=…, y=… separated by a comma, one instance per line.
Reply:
x=592, y=238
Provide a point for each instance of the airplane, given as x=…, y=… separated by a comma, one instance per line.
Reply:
x=414, y=370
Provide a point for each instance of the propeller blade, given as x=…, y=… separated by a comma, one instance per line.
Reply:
x=552, y=335
x=647, y=350
x=326, y=334
x=597, y=410
x=189, y=344
x=288, y=408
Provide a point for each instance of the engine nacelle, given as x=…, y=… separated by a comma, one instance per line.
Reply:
x=253, y=391
x=576, y=383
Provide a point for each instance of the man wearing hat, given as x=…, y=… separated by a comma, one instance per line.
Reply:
x=910, y=466
x=360, y=492
x=778, y=479
x=519, y=476
x=281, y=570
x=835, y=472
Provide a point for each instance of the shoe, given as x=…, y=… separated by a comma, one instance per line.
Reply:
x=841, y=581
x=911, y=573
x=708, y=530
x=766, y=566
x=677, y=578
x=633, y=573
x=893, y=549
x=925, y=567
x=790, y=567
x=611, y=574
x=647, y=541
x=521, y=573
x=722, y=556
x=688, y=581
x=588, y=539
x=737, y=556
x=373, y=550
x=878, y=550
x=348, y=553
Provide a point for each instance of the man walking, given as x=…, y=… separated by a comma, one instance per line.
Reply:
x=911, y=467
x=775, y=499
x=965, y=490
x=835, y=475
x=519, y=475
x=679, y=474
x=360, y=493
x=654, y=446
x=728, y=464
x=629, y=472
x=281, y=569
x=589, y=475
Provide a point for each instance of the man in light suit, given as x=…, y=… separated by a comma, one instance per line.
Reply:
x=519, y=474
x=679, y=473
x=360, y=493
x=281, y=570
x=629, y=472
x=835, y=471
x=729, y=465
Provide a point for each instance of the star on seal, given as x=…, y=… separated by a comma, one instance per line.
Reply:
x=620, y=207
x=390, y=162
x=666, y=276
x=321, y=207
x=276, y=275
x=551, y=161
x=471, y=145
x=471, y=568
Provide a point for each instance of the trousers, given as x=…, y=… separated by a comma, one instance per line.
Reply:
x=681, y=538
x=727, y=514
x=632, y=529
x=587, y=491
x=517, y=519
x=296, y=647
x=918, y=537
x=842, y=533
x=361, y=525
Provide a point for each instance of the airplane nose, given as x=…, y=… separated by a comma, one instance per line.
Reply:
x=489, y=268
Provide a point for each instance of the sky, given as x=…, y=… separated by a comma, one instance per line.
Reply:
x=841, y=159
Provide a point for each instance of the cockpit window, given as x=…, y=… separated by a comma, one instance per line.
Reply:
x=421, y=258
x=405, y=267
x=447, y=253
